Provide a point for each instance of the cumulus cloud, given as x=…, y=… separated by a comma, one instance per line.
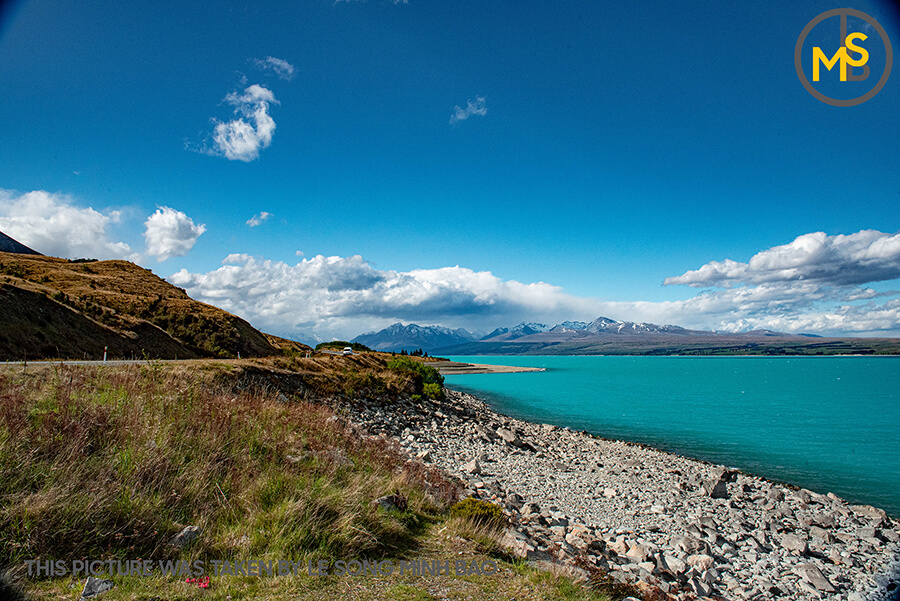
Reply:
x=170, y=233
x=866, y=256
x=280, y=67
x=346, y=295
x=809, y=285
x=53, y=224
x=251, y=131
x=258, y=219
x=472, y=108
x=789, y=289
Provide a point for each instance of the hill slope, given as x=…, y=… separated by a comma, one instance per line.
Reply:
x=55, y=308
x=9, y=245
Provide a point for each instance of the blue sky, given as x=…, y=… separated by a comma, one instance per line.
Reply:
x=469, y=164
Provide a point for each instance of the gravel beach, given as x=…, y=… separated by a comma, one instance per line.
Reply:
x=673, y=526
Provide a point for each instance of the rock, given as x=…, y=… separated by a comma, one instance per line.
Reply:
x=892, y=536
x=618, y=546
x=700, y=562
x=638, y=552
x=672, y=565
x=717, y=489
x=699, y=587
x=184, y=538
x=870, y=512
x=520, y=545
x=472, y=467
x=776, y=494
x=424, y=456
x=725, y=474
x=688, y=544
x=609, y=492
x=508, y=436
x=530, y=509
x=821, y=534
x=391, y=503
x=815, y=577
x=95, y=586
x=791, y=542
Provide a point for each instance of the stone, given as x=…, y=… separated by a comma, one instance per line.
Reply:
x=95, y=586
x=688, y=544
x=618, y=546
x=424, y=456
x=724, y=473
x=391, y=503
x=508, y=436
x=821, y=534
x=814, y=576
x=672, y=565
x=647, y=566
x=530, y=509
x=699, y=587
x=519, y=545
x=638, y=552
x=472, y=467
x=717, y=489
x=184, y=538
x=793, y=543
x=776, y=494
x=870, y=512
x=701, y=562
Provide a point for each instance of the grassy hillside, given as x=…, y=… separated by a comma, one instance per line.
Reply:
x=55, y=308
x=113, y=462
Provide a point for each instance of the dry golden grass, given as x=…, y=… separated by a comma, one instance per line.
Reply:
x=51, y=308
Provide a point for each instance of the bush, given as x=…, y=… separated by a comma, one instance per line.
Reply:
x=426, y=380
x=479, y=512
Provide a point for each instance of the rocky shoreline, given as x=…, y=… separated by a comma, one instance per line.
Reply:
x=672, y=526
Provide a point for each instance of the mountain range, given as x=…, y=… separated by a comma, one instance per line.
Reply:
x=398, y=337
x=605, y=336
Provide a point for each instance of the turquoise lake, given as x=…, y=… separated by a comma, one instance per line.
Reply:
x=829, y=424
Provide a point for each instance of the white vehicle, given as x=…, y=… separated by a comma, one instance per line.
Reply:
x=347, y=351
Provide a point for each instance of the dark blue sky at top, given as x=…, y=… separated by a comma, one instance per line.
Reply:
x=623, y=142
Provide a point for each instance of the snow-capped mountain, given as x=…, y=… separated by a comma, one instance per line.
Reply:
x=399, y=337
x=523, y=329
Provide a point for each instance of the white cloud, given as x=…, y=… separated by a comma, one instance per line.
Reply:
x=346, y=296
x=170, y=233
x=258, y=219
x=805, y=286
x=251, y=131
x=54, y=225
x=866, y=256
x=472, y=108
x=280, y=67
x=342, y=297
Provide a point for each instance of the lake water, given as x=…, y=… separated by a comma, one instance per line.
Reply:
x=829, y=424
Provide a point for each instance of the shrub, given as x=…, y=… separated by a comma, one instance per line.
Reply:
x=426, y=380
x=479, y=512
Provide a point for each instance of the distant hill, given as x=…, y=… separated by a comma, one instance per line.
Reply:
x=8, y=245
x=57, y=308
x=398, y=337
x=605, y=336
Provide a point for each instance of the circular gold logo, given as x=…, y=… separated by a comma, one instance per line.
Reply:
x=843, y=57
